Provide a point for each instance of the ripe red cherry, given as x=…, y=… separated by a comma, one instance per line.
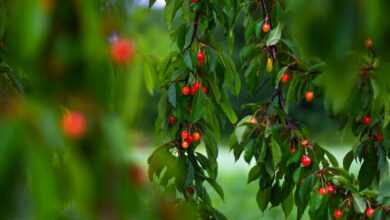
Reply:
x=305, y=161
x=330, y=188
x=266, y=27
x=190, y=190
x=195, y=88
x=184, y=134
x=172, y=120
x=194, y=1
x=204, y=89
x=196, y=136
x=200, y=58
x=74, y=124
x=122, y=51
x=379, y=137
x=285, y=78
x=323, y=191
x=185, y=145
x=337, y=213
x=366, y=120
x=185, y=90
x=309, y=96
x=189, y=139
x=370, y=212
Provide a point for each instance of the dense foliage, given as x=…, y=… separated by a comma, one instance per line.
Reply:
x=290, y=168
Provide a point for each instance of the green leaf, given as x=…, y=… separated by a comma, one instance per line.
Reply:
x=276, y=152
x=216, y=187
x=348, y=159
x=199, y=106
x=227, y=109
x=188, y=60
x=172, y=95
x=287, y=205
x=254, y=173
x=359, y=204
x=263, y=197
x=331, y=157
x=232, y=78
x=275, y=36
x=149, y=77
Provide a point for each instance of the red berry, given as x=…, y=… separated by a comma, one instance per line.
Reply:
x=171, y=120
x=366, y=120
x=122, y=51
x=266, y=27
x=196, y=136
x=185, y=144
x=204, y=89
x=337, y=213
x=305, y=161
x=195, y=88
x=370, y=212
x=309, y=96
x=74, y=124
x=323, y=191
x=194, y=1
x=379, y=137
x=330, y=188
x=285, y=78
x=200, y=58
x=185, y=90
x=184, y=134
x=189, y=139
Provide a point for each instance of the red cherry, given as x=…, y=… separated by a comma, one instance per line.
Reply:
x=285, y=78
x=194, y=1
x=370, y=212
x=172, y=120
x=184, y=134
x=305, y=161
x=196, y=136
x=379, y=137
x=309, y=96
x=122, y=51
x=366, y=120
x=266, y=27
x=330, y=188
x=195, y=88
x=337, y=213
x=189, y=139
x=137, y=175
x=185, y=90
x=204, y=89
x=323, y=191
x=74, y=124
x=185, y=145
x=200, y=58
